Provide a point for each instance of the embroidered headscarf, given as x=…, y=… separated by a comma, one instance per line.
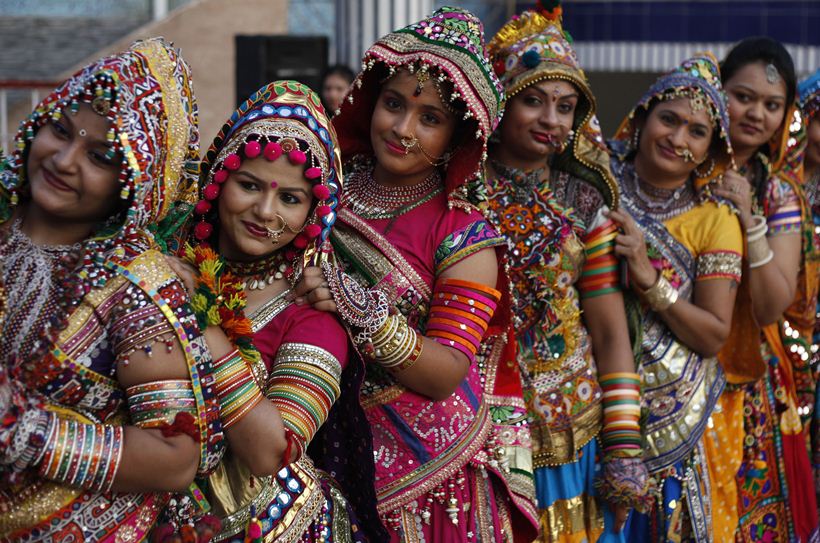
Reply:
x=533, y=47
x=284, y=120
x=146, y=95
x=697, y=79
x=449, y=44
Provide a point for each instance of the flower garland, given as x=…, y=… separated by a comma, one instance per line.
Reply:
x=219, y=300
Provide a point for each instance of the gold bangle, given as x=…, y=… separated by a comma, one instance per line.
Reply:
x=410, y=361
x=661, y=295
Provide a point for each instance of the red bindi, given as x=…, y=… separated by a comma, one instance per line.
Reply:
x=273, y=184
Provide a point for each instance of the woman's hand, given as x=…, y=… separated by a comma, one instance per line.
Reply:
x=186, y=272
x=736, y=188
x=630, y=245
x=312, y=288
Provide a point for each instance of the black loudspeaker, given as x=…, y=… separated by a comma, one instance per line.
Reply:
x=262, y=59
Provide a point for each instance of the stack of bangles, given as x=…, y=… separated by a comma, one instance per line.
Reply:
x=236, y=388
x=621, y=434
x=760, y=253
x=661, y=295
x=460, y=313
x=396, y=346
x=75, y=453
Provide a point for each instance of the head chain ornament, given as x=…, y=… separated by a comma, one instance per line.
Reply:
x=449, y=47
x=698, y=80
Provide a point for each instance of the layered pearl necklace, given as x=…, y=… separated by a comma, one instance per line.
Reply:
x=370, y=200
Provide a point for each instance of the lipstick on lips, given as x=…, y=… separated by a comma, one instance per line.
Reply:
x=255, y=229
x=394, y=148
x=55, y=181
x=548, y=139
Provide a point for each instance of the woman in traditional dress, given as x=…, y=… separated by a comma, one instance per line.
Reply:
x=270, y=184
x=683, y=249
x=809, y=91
x=413, y=133
x=104, y=408
x=762, y=442
x=549, y=190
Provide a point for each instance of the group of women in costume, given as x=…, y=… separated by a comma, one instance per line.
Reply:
x=421, y=321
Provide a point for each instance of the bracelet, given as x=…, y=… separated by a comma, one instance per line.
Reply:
x=303, y=385
x=661, y=295
x=80, y=454
x=460, y=325
x=759, y=251
x=156, y=404
x=758, y=228
x=410, y=361
x=235, y=387
x=621, y=432
x=394, y=342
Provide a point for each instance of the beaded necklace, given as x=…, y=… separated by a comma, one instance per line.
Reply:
x=522, y=182
x=29, y=272
x=370, y=200
x=659, y=203
x=260, y=273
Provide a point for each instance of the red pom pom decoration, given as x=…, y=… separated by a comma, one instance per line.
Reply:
x=202, y=207
x=300, y=242
x=273, y=151
x=323, y=211
x=313, y=173
x=221, y=176
x=499, y=67
x=254, y=530
x=203, y=230
x=321, y=192
x=232, y=162
x=313, y=231
x=297, y=157
x=211, y=192
x=252, y=149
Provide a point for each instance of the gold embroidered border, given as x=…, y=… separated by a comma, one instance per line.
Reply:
x=551, y=448
x=387, y=250
x=719, y=265
x=575, y=516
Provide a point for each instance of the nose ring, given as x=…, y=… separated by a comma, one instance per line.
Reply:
x=275, y=233
x=409, y=143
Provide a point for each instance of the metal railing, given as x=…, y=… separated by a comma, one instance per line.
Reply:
x=8, y=86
